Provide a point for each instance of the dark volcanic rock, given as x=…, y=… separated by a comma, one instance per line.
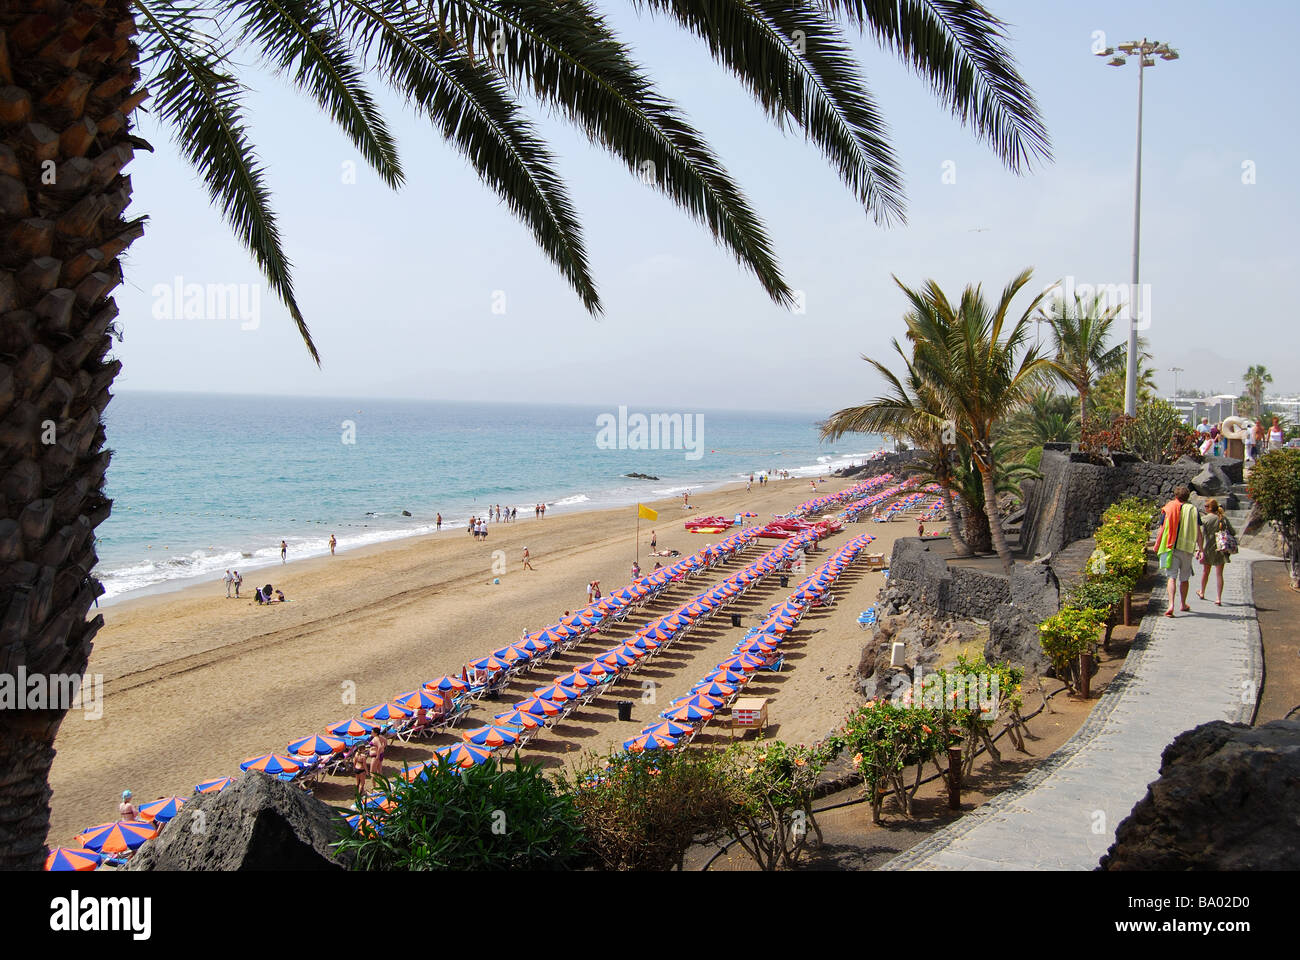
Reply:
x=1226, y=800
x=1211, y=481
x=640, y=476
x=256, y=823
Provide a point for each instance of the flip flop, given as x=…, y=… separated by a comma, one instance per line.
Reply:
x=1186, y=609
x=1169, y=613
x=1200, y=594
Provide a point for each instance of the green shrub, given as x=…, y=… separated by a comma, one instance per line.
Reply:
x=642, y=811
x=484, y=818
x=1158, y=434
x=885, y=739
x=771, y=812
x=1034, y=458
x=1274, y=485
x=1067, y=634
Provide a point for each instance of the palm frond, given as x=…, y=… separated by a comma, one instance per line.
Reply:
x=474, y=111
x=295, y=37
x=796, y=63
x=201, y=101
x=566, y=55
x=962, y=50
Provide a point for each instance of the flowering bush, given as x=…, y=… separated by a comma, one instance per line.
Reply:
x=885, y=739
x=1122, y=540
x=771, y=809
x=1067, y=634
x=971, y=713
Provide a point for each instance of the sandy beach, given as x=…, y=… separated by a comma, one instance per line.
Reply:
x=195, y=682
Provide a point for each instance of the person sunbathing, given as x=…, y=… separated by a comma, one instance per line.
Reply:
x=422, y=720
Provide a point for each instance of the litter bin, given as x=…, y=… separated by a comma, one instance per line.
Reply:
x=735, y=619
x=785, y=580
x=625, y=709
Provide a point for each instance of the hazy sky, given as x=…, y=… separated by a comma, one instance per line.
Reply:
x=398, y=288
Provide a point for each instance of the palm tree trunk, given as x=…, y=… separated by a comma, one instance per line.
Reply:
x=69, y=69
x=959, y=542
x=1083, y=409
x=995, y=521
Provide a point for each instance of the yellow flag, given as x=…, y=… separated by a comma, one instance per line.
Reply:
x=645, y=513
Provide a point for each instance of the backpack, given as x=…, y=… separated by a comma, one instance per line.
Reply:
x=1225, y=542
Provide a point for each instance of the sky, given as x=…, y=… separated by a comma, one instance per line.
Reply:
x=436, y=291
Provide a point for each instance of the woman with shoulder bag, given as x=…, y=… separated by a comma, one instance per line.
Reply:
x=1220, y=545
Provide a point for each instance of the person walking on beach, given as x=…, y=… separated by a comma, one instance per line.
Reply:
x=1214, y=522
x=654, y=541
x=284, y=552
x=543, y=509
x=230, y=582
x=920, y=527
x=527, y=565
x=333, y=543
x=239, y=582
x=1180, y=537
x=537, y=510
x=591, y=586
x=438, y=521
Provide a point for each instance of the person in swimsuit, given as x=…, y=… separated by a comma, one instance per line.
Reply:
x=126, y=809
x=333, y=544
x=438, y=521
x=527, y=564
x=284, y=552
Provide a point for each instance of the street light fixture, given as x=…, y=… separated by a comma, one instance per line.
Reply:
x=1145, y=51
x=1175, y=371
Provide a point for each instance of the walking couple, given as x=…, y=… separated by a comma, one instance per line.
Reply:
x=1187, y=534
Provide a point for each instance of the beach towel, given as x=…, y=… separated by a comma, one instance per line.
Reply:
x=1168, y=532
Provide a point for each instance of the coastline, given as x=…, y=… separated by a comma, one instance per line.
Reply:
x=564, y=504
x=194, y=683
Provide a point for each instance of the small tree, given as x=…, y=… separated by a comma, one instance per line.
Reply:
x=1274, y=485
x=1065, y=636
x=975, y=696
x=884, y=740
x=772, y=813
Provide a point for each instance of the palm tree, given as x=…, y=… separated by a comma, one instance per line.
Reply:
x=978, y=375
x=968, y=482
x=1045, y=418
x=1254, y=380
x=72, y=73
x=1080, y=331
x=910, y=410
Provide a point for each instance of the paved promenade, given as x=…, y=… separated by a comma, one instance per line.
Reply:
x=1200, y=666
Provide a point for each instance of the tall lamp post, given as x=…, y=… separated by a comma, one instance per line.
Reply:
x=1146, y=51
x=1175, y=371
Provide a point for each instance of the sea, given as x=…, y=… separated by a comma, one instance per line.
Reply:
x=201, y=483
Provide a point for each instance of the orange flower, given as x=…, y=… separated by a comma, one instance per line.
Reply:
x=926, y=729
x=799, y=763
